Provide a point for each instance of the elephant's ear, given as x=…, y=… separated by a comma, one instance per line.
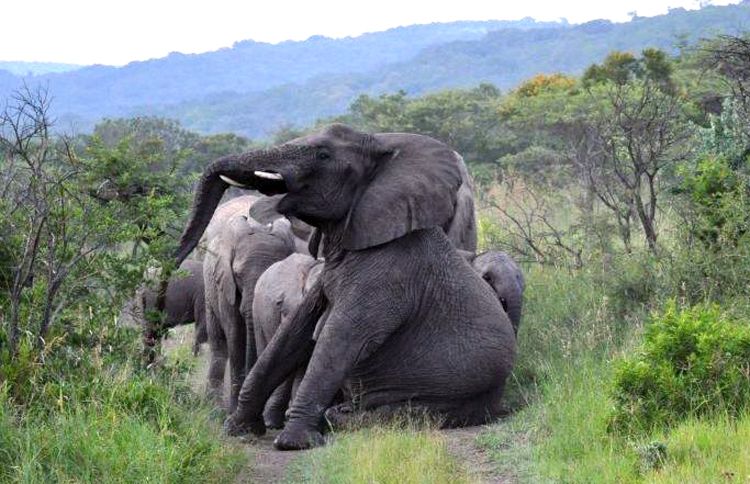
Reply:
x=413, y=185
x=264, y=210
x=462, y=231
x=220, y=270
x=282, y=228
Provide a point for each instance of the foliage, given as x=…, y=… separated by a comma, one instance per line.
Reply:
x=692, y=362
x=621, y=68
x=82, y=413
x=545, y=83
x=80, y=230
x=465, y=119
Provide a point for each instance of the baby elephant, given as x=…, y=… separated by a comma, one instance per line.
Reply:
x=184, y=304
x=278, y=293
x=504, y=277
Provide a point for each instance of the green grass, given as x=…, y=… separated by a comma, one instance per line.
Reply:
x=92, y=417
x=384, y=454
x=576, y=324
x=708, y=450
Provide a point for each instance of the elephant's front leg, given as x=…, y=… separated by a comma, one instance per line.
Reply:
x=276, y=406
x=289, y=349
x=351, y=333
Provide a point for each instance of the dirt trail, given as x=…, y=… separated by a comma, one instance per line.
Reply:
x=267, y=465
x=462, y=444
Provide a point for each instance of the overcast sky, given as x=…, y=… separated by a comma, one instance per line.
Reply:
x=118, y=31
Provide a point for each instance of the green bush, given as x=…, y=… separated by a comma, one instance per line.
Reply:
x=693, y=362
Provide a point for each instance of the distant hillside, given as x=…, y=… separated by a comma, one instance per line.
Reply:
x=35, y=68
x=504, y=58
x=96, y=91
x=254, y=88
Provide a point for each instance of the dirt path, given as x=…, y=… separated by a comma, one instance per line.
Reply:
x=462, y=444
x=265, y=464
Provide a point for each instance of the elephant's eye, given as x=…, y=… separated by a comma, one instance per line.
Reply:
x=487, y=278
x=323, y=155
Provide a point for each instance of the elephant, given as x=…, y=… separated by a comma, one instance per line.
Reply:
x=278, y=294
x=505, y=278
x=406, y=321
x=184, y=304
x=239, y=252
x=263, y=210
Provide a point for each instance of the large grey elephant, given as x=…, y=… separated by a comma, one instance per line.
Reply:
x=278, y=293
x=184, y=304
x=505, y=278
x=239, y=252
x=406, y=320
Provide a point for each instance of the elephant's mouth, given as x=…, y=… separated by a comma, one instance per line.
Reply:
x=268, y=182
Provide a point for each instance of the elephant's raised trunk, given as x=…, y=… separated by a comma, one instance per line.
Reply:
x=207, y=197
x=240, y=170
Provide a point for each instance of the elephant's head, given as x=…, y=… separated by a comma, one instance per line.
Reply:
x=373, y=188
x=505, y=278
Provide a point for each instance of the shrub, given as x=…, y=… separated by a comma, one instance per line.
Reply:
x=693, y=362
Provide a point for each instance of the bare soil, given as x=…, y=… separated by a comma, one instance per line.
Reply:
x=462, y=444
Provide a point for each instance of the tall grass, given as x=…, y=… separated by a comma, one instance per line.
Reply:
x=384, y=454
x=87, y=414
x=576, y=323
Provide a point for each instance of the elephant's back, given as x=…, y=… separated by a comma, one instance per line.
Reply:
x=279, y=286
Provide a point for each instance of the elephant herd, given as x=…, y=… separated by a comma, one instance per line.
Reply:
x=351, y=286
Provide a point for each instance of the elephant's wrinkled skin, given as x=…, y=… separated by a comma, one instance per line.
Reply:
x=240, y=251
x=278, y=294
x=184, y=304
x=407, y=320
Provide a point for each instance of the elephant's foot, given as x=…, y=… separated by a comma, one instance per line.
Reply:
x=339, y=416
x=298, y=437
x=274, y=418
x=234, y=427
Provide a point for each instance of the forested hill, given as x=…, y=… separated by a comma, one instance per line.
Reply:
x=255, y=88
x=503, y=57
x=248, y=66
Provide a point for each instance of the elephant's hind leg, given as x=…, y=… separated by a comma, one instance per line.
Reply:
x=217, y=365
x=477, y=410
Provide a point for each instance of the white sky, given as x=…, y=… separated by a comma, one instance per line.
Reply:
x=118, y=31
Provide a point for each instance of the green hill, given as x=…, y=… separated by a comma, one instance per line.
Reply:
x=255, y=88
x=504, y=58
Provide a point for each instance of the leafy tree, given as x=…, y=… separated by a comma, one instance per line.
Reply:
x=64, y=240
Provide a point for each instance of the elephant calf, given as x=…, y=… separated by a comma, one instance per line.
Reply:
x=240, y=251
x=278, y=294
x=184, y=304
x=506, y=279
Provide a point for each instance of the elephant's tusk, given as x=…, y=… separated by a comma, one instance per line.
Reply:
x=231, y=182
x=268, y=175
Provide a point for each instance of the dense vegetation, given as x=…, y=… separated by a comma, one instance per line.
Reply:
x=624, y=191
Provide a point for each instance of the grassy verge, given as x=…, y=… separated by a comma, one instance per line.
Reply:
x=575, y=325
x=99, y=419
x=383, y=454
